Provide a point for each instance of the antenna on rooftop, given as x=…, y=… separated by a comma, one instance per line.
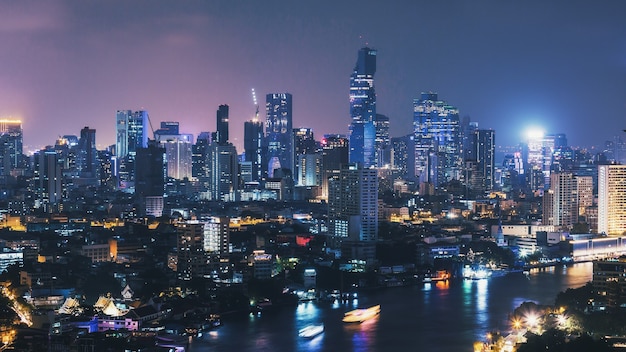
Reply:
x=256, y=105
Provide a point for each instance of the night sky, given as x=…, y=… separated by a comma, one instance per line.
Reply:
x=507, y=64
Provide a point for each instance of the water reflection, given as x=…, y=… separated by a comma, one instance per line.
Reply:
x=442, y=316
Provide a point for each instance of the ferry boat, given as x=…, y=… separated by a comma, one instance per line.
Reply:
x=310, y=331
x=361, y=314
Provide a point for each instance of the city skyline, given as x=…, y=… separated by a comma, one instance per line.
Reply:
x=507, y=66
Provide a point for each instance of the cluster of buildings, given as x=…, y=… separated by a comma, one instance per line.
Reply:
x=162, y=172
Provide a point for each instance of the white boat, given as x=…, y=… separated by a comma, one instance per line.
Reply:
x=361, y=314
x=311, y=331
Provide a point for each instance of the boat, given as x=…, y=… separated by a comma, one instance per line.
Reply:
x=310, y=331
x=361, y=314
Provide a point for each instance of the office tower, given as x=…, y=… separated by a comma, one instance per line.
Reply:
x=223, y=169
x=467, y=134
x=222, y=124
x=403, y=156
x=437, y=137
x=11, y=146
x=132, y=133
x=335, y=151
x=279, y=132
x=150, y=179
x=178, y=155
x=87, y=162
x=382, y=141
x=363, y=109
x=485, y=146
x=611, y=199
x=222, y=163
x=560, y=202
x=584, y=185
x=253, y=144
x=309, y=169
x=105, y=172
x=48, y=180
x=303, y=144
x=353, y=212
x=200, y=152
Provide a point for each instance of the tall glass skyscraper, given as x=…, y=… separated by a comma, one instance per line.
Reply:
x=438, y=140
x=279, y=132
x=363, y=109
x=132, y=134
x=11, y=148
x=253, y=142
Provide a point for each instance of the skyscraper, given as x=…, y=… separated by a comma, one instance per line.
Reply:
x=222, y=164
x=11, y=149
x=438, y=142
x=560, y=202
x=279, y=132
x=132, y=133
x=611, y=199
x=303, y=144
x=47, y=180
x=150, y=179
x=222, y=124
x=87, y=161
x=334, y=154
x=485, y=156
x=353, y=211
x=253, y=142
x=363, y=109
x=382, y=140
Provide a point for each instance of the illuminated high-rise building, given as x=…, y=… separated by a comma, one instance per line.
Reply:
x=438, y=142
x=11, y=145
x=403, y=156
x=335, y=153
x=48, y=180
x=178, y=155
x=560, y=202
x=363, y=109
x=353, y=211
x=485, y=156
x=253, y=144
x=279, y=132
x=303, y=144
x=611, y=199
x=132, y=133
x=383, y=141
x=87, y=161
x=150, y=179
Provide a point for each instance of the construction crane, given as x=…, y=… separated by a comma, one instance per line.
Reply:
x=256, y=105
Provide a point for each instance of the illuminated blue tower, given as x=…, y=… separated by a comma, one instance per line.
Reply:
x=363, y=109
x=279, y=132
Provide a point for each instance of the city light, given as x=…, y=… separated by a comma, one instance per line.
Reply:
x=534, y=133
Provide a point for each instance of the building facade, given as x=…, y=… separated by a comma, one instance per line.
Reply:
x=363, y=109
x=279, y=132
x=611, y=199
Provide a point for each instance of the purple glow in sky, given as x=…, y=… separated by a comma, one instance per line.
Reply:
x=507, y=64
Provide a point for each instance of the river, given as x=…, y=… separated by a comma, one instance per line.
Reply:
x=442, y=316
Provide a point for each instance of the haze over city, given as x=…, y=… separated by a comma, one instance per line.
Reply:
x=508, y=65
